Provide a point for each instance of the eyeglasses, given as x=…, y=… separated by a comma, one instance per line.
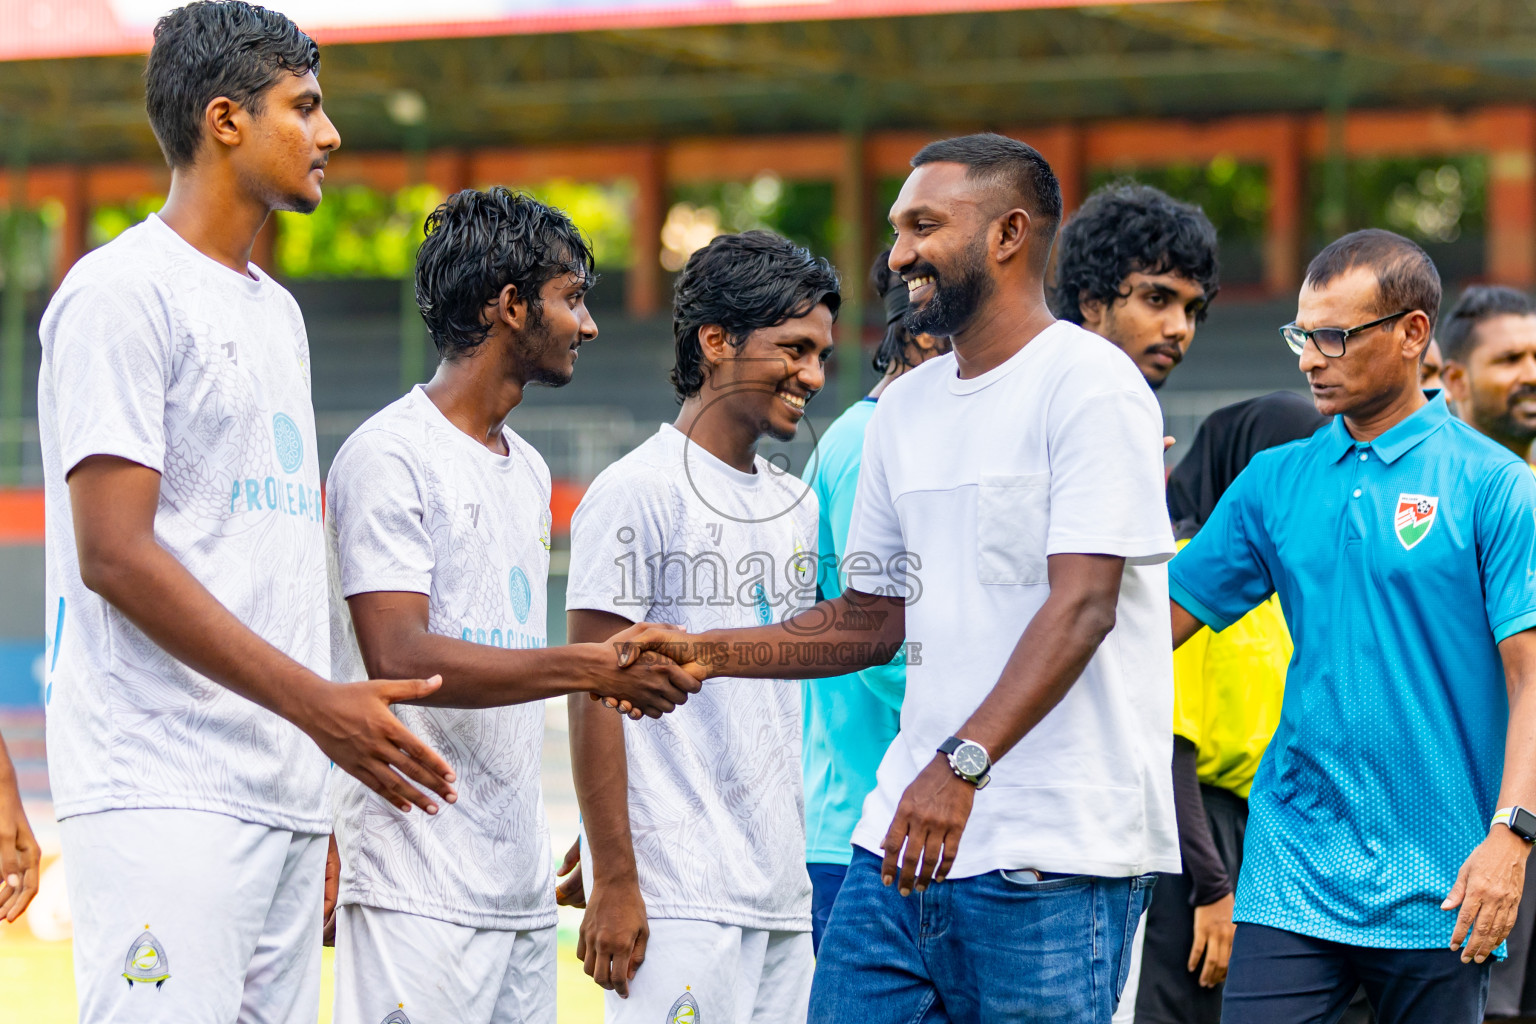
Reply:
x=1329, y=340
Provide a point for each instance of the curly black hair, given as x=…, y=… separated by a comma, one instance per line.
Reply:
x=478, y=243
x=216, y=48
x=1126, y=228
x=743, y=283
x=892, y=290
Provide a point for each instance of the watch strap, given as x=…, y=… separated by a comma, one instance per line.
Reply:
x=1518, y=820
x=950, y=745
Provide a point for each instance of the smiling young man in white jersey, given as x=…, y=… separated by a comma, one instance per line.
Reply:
x=188, y=642
x=701, y=874
x=440, y=523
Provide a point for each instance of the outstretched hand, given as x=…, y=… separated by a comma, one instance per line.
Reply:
x=653, y=646
x=352, y=724
x=20, y=856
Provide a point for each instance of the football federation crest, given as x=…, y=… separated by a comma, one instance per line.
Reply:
x=684, y=1010
x=1415, y=516
x=146, y=961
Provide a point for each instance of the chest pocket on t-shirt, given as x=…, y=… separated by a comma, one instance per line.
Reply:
x=1012, y=516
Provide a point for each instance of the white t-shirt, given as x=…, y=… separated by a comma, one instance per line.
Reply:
x=155, y=353
x=418, y=506
x=966, y=487
x=669, y=533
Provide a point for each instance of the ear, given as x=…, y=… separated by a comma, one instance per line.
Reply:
x=226, y=120
x=509, y=309
x=1458, y=388
x=1011, y=233
x=1417, y=333
x=714, y=345
x=1093, y=312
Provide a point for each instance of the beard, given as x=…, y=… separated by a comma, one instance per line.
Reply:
x=537, y=349
x=957, y=293
x=1507, y=424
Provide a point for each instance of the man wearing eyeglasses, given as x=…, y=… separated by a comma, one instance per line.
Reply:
x=1387, y=836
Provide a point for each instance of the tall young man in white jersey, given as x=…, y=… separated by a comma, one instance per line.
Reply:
x=1010, y=519
x=694, y=824
x=441, y=526
x=189, y=646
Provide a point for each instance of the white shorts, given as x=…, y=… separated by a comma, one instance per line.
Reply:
x=192, y=917
x=404, y=969
x=695, y=971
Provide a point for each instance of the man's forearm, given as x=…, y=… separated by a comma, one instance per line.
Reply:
x=480, y=676
x=173, y=608
x=1518, y=784
x=850, y=632
x=600, y=770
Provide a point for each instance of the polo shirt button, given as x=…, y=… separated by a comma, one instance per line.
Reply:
x=1357, y=492
x=1363, y=456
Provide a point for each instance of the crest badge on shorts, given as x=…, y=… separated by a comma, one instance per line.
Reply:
x=684, y=1011
x=146, y=962
x=1415, y=517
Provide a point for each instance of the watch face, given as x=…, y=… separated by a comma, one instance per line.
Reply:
x=1523, y=824
x=971, y=759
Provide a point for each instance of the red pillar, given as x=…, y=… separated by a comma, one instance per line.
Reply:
x=1511, y=252
x=1285, y=226
x=642, y=292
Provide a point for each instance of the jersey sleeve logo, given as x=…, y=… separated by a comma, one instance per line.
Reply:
x=1415, y=516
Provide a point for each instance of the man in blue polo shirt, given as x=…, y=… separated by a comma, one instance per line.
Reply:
x=1402, y=544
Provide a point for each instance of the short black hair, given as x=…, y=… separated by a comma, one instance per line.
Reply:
x=1406, y=277
x=215, y=48
x=1478, y=303
x=1125, y=228
x=478, y=243
x=743, y=283
x=1014, y=168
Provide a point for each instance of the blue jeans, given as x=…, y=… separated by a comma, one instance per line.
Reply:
x=1280, y=977
x=999, y=948
x=826, y=880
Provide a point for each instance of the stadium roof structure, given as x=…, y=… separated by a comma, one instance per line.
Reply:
x=525, y=72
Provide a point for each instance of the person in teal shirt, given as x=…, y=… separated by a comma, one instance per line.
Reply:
x=850, y=720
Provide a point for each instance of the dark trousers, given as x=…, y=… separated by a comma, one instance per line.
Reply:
x=1512, y=989
x=1170, y=992
x=826, y=880
x=1280, y=977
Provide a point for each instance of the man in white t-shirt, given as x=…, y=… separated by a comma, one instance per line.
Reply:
x=440, y=528
x=700, y=873
x=188, y=640
x=1010, y=524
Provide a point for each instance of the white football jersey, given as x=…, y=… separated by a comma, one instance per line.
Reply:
x=156, y=353
x=669, y=533
x=419, y=506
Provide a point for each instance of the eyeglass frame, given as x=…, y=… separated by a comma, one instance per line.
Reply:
x=1307, y=335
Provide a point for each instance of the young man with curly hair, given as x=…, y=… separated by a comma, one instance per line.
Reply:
x=694, y=827
x=1139, y=268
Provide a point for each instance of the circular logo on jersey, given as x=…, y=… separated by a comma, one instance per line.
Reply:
x=521, y=593
x=146, y=961
x=684, y=1010
x=290, y=446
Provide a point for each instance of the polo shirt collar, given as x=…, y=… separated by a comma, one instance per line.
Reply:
x=1398, y=441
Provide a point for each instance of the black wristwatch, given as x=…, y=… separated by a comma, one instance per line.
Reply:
x=1519, y=820
x=969, y=760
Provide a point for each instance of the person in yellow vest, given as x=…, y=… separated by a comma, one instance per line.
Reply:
x=1227, y=692
x=1490, y=376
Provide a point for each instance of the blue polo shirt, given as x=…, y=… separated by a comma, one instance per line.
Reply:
x=1400, y=564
